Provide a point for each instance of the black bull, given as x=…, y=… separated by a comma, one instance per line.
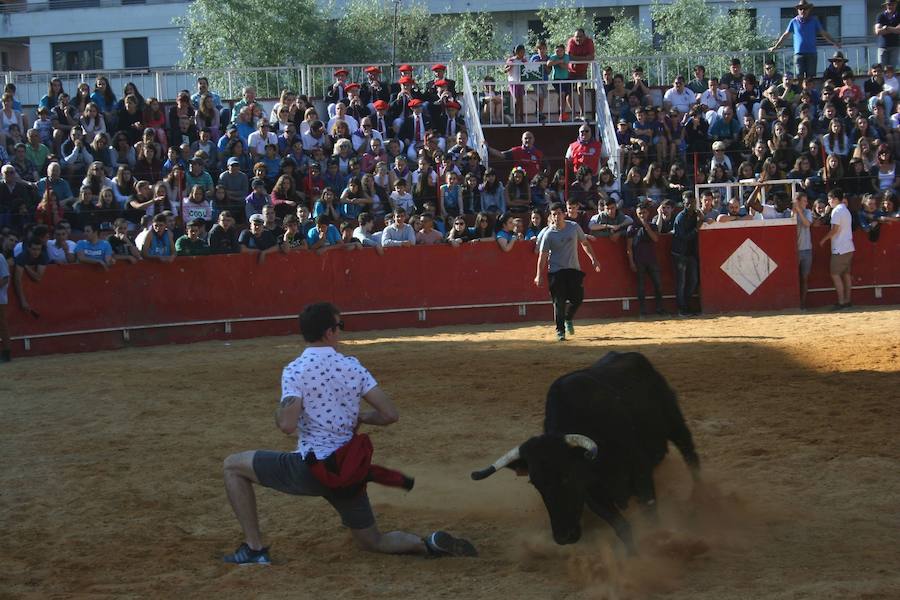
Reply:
x=605, y=429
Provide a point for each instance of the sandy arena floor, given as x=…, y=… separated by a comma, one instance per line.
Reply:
x=112, y=486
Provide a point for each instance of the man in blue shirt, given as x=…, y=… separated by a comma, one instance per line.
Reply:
x=804, y=27
x=324, y=236
x=92, y=250
x=887, y=28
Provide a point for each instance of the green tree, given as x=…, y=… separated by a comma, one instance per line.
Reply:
x=560, y=21
x=623, y=43
x=473, y=37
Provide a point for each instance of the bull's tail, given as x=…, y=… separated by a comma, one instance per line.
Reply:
x=681, y=436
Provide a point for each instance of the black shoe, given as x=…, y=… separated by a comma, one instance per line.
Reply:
x=847, y=305
x=244, y=555
x=661, y=312
x=441, y=543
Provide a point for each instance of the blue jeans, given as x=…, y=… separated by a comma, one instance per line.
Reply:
x=686, y=277
x=805, y=64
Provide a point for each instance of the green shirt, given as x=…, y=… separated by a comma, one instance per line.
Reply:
x=185, y=246
x=560, y=71
x=37, y=157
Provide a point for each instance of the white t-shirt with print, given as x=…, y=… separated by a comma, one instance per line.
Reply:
x=57, y=254
x=330, y=386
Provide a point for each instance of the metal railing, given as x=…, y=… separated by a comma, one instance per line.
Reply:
x=163, y=84
x=320, y=77
x=740, y=186
x=661, y=69
x=538, y=100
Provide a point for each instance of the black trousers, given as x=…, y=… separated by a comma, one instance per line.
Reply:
x=651, y=272
x=566, y=286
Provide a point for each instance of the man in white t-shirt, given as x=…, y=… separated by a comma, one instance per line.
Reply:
x=678, y=96
x=841, y=237
x=259, y=139
x=320, y=400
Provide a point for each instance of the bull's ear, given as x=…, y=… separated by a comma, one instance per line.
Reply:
x=519, y=466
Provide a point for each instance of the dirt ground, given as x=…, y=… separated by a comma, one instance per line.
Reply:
x=112, y=485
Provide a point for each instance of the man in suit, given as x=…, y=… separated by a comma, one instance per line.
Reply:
x=337, y=92
x=400, y=105
x=414, y=129
x=440, y=72
x=373, y=88
x=448, y=123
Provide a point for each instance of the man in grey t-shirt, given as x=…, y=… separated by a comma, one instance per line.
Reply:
x=558, y=253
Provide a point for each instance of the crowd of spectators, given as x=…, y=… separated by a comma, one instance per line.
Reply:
x=390, y=164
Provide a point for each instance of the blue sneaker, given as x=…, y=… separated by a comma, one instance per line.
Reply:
x=244, y=555
x=570, y=328
x=441, y=543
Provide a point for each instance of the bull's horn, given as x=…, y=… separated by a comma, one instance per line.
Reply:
x=582, y=441
x=498, y=464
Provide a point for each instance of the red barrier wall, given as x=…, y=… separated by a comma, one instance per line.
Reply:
x=225, y=288
x=780, y=289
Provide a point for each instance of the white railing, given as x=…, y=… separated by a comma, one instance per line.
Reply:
x=661, y=69
x=163, y=84
x=745, y=184
x=540, y=98
x=472, y=115
x=320, y=77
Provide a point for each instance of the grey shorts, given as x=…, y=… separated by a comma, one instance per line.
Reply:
x=287, y=473
x=840, y=263
x=805, y=262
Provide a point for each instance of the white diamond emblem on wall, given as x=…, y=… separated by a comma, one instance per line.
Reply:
x=749, y=266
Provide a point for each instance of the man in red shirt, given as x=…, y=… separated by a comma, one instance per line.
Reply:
x=526, y=156
x=580, y=48
x=585, y=151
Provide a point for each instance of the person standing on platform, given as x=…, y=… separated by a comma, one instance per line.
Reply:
x=558, y=256
x=580, y=49
x=804, y=27
x=887, y=28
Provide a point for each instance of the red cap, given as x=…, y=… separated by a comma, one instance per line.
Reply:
x=380, y=105
x=405, y=68
x=438, y=67
x=372, y=70
x=453, y=104
x=407, y=80
x=414, y=103
x=440, y=83
x=351, y=86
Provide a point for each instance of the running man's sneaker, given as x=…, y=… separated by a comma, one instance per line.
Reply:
x=560, y=336
x=570, y=328
x=441, y=543
x=244, y=555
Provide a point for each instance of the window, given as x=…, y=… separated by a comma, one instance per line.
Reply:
x=602, y=25
x=78, y=56
x=135, y=53
x=536, y=30
x=829, y=16
x=67, y=4
x=127, y=2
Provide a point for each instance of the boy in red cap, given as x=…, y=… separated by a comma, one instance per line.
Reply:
x=400, y=109
x=440, y=74
x=356, y=108
x=373, y=89
x=381, y=122
x=337, y=92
